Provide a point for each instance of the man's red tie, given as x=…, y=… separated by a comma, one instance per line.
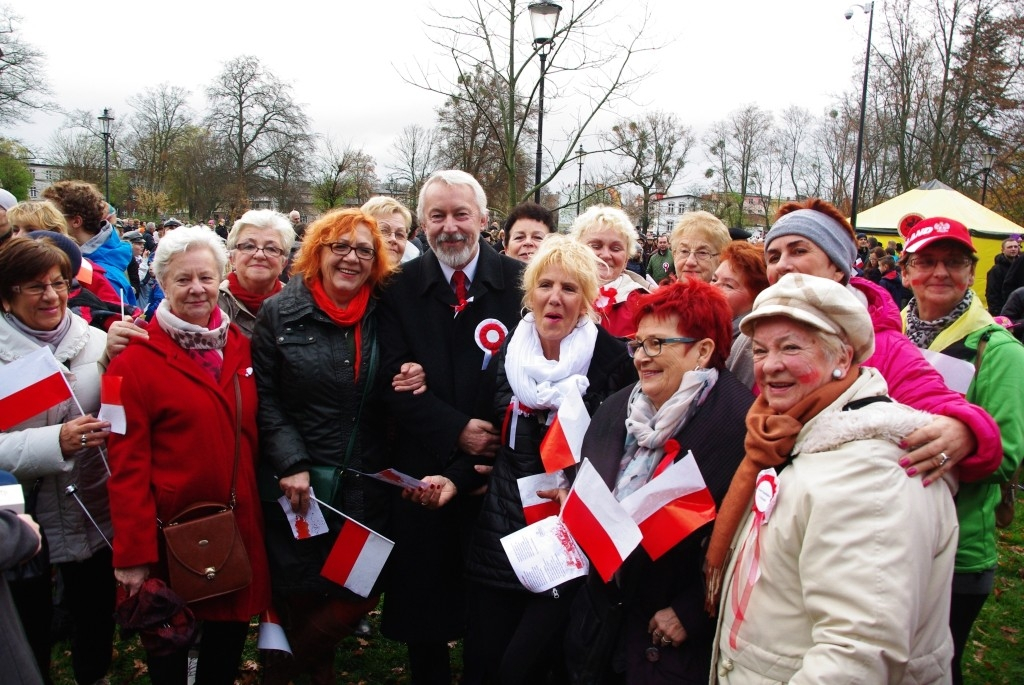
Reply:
x=459, y=283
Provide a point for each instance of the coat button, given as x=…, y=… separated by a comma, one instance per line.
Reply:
x=310, y=338
x=280, y=339
x=726, y=666
x=348, y=363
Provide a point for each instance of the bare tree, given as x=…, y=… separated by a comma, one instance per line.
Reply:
x=342, y=174
x=736, y=146
x=416, y=151
x=484, y=43
x=23, y=87
x=201, y=176
x=653, y=147
x=159, y=120
x=253, y=115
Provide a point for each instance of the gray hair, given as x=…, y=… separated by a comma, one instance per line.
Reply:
x=453, y=177
x=183, y=239
x=266, y=219
x=601, y=216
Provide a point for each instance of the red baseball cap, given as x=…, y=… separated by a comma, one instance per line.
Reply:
x=927, y=231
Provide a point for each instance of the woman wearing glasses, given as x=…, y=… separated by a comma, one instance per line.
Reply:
x=697, y=242
x=315, y=356
x=58, y=448
x=686, y=402
x=393, y=220
x=945, y=316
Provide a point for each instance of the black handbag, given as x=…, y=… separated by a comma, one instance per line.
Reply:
x=206, y=557
x=592, y=637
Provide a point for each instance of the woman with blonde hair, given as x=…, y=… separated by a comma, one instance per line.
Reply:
x=43, y=215
x=609, y=233
x=697, y=242
x=394, y=221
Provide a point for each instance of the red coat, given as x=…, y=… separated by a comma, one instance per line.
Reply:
x=179, y=450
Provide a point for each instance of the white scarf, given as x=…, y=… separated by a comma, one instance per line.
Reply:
x=623, y=286
x=648, y=430
x=540, y=383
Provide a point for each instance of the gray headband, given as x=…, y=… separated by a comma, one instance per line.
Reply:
x=823, y=231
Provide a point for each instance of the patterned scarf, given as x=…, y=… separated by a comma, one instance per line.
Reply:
x=923, y=333
x=252, y=301
x=204, y=345
x=770, y=439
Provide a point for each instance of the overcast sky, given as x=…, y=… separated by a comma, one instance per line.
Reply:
x=719, y=56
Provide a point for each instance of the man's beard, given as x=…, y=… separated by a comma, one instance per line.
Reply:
x=454, y=251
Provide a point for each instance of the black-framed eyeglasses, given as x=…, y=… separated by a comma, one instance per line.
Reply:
x=951, y=263
x=342, y=250
x=652, y=346
x=37, y=289
x=272, y=251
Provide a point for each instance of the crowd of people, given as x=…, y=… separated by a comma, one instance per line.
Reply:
x=271, y=366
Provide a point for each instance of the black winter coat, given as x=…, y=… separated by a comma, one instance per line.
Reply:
x=610, y=370
x=715, y=435
x=311, y=408
x=997, y=290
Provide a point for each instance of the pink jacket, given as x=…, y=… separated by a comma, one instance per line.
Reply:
x=914, y=382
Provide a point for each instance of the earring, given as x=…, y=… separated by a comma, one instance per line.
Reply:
x=837, y=374
x=524, y=311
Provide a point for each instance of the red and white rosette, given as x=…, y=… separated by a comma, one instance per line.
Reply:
x=490, y=336
x=748, y=563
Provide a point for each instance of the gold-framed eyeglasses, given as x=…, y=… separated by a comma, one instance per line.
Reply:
x=652, y=346
x=699, y=255
x=37, y=289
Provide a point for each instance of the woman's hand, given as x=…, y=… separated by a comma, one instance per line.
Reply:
x=31, y=523
x=296, y=488
x=557, y=494
x=439, y=492
x=131, y=578
x=121, y=333
x=411, y=378
x=82, y=432
x=943, y=436
x=665, y=629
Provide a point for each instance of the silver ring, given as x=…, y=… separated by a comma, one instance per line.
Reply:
x=658, y=635
x=943, y=460
x=84, y=439
x=666, y=640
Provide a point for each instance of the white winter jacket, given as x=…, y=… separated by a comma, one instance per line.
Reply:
x=31, y=450
x=856, y=560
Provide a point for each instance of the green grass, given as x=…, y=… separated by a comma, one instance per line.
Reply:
x=994, y=655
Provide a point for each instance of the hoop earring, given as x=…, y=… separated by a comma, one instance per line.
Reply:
x=524, y=311
x=837, y=374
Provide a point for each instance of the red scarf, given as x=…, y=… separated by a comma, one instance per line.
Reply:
x=251, y=300
x=352, y=315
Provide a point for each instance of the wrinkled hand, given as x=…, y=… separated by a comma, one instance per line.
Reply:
x=411, y=378
x=131, y=578
x=31, y=523
x=121, y=333
x=439, y=492
x=296, y=488
x=665, y=628
x=557, y=494
x=928, y=443
x=71, y=432
x=479, y=438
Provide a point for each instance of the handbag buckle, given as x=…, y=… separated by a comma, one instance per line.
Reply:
x=210, y=573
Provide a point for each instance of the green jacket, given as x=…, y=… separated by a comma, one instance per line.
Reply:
x=998, y=388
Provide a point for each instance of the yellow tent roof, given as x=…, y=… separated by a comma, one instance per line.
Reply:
x=936, y=199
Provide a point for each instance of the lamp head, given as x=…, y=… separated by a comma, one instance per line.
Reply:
x=849, y=14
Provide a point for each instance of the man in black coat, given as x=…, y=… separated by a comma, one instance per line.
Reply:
x=449, y=310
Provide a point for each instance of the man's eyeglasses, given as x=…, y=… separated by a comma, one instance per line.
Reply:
x=342, y=250
x=699, y=255
x=37, y=289
x=951, y=263
x=652, y=346
x=272, y=251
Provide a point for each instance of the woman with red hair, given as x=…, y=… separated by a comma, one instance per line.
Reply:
x=687, y=402
x=741, y=276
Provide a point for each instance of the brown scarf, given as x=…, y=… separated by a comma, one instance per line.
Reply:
x=352, y=315
x=770, y=439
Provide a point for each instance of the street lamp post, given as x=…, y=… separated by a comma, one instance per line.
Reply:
x=579, y=179
x=543, y=20
x=105, y=120
x=868, y=9
x=988, y=158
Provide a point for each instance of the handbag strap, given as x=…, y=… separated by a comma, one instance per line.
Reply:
x=238, y=438
x=371, y=377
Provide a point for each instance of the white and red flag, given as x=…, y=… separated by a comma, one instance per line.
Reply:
x=357, y=558
x=672, y=505
x=30, y=386
x=535, y=507
x=111, y=406
x=598, y=523
x=271, y=635
x=563, y=442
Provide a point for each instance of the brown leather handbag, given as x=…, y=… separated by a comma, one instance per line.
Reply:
x=205, y=554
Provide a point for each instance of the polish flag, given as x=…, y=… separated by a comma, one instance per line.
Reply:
x=357, y=558
x=271, y=635
x=85, y=272
x=537, y=508
x=111, y=406
x=29, y=386
x=598, y=522
x=672, y=505
x=563, y=442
